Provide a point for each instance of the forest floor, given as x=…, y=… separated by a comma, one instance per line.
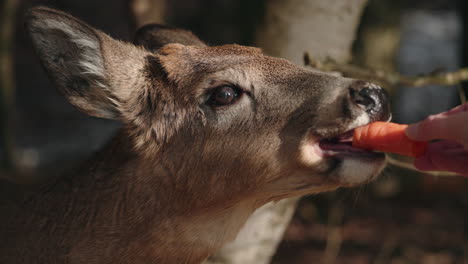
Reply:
x=423, y=219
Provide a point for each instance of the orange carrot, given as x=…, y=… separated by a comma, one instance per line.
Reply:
x=387, y=137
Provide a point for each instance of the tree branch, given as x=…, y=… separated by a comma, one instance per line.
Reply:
x=387, y=78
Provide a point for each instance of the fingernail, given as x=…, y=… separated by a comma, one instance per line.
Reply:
x=412, y=131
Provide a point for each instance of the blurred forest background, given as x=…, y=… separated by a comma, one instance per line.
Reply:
x=403, y=217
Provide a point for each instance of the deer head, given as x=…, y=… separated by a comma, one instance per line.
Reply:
x=212, y=132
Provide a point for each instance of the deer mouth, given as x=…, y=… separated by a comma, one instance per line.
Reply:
x=335, y=157
x=341, y=146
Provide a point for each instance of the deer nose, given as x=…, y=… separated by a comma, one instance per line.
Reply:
x=372, y=99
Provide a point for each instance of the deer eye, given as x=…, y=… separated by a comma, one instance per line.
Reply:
x=224, y=95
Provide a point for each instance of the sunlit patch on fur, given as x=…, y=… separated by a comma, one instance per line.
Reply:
x=310, y=152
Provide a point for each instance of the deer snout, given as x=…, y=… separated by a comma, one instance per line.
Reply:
x=372, y=98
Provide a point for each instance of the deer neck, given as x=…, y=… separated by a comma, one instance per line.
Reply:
x=141, y=202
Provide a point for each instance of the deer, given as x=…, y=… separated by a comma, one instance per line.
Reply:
x=209, y=134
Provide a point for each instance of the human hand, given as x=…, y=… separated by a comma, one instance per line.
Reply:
x=451, y=152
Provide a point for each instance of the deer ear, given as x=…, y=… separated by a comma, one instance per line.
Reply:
x=92, y=70
x=154, y=36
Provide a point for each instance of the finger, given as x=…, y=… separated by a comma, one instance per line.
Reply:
x=424, y=163
x=413, y=131
x=441, y=126
x=451, y=160
x=444, y=145
x=457, y=109
x=441, y=158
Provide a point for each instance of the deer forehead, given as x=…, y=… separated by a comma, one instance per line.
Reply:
x=244, y=66
x=178, y=59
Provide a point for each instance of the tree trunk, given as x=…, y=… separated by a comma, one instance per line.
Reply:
x=148, y=11
x=257, y=241
x=324, y=28
x=7, y=83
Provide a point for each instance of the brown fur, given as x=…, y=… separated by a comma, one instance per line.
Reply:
x=181, y=177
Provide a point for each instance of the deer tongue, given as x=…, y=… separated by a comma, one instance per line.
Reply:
x=341, y=146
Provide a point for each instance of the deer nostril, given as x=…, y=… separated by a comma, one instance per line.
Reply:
x=372, y=99
x=366, y=98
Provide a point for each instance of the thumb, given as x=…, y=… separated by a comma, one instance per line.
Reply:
x=441, y=126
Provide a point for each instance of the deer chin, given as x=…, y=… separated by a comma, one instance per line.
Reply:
x=343, y=163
